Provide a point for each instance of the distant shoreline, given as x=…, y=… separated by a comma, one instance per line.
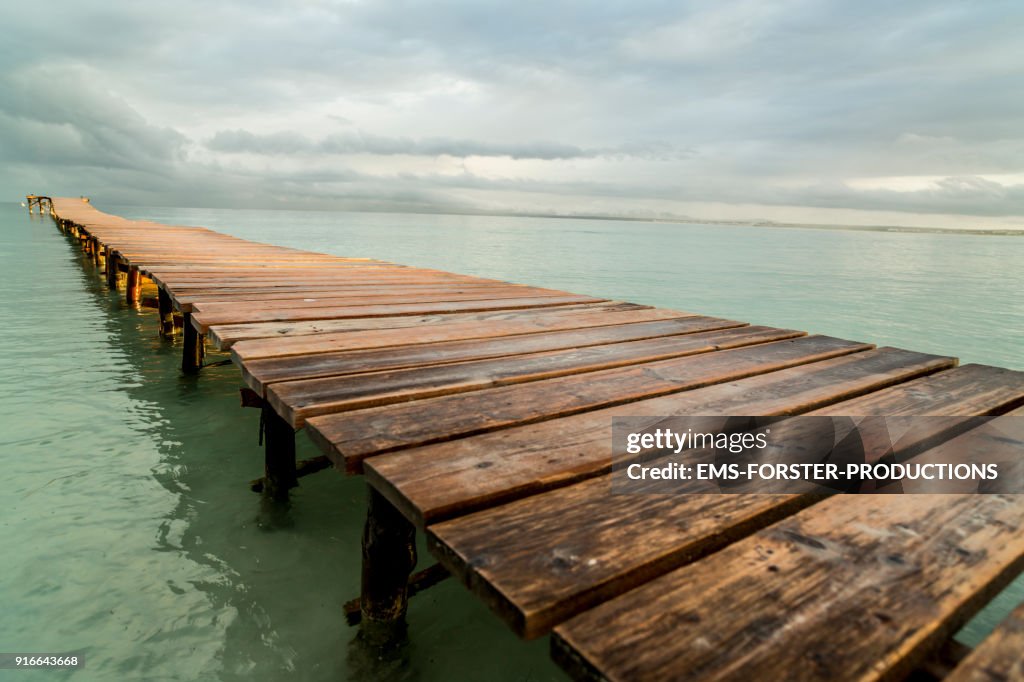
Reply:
x=1003, y=232
x=997, y=232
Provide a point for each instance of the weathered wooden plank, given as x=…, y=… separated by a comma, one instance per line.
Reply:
x=299, y=400
x=300, y=275
x=969, y=390
x=259, y=372
x=298, y=287
x=1001, y=439
x=443, y=480
x=204, y=321
x=334, y=299
x=352, y=436
x=999, y=658
x=278, y=339
x=231, y=283
x=324, y=276
x=544, y=558
x=854, y=588
x=215, y=294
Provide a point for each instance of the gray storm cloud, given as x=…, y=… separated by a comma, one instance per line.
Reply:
x=896, y=108
x=358, y=143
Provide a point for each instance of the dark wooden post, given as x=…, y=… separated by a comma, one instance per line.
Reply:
x=192, y=353
x=133, y=285
x=166, y=311
x=111, y=264
x=279, y=474
x=96, y=257
x=389, y=556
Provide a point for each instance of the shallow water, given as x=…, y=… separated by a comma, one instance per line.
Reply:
x=129, y=530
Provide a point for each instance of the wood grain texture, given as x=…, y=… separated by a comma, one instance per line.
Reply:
x=281, y=340
x=330, y=331
x=352, y=436
x=969, y=390
x=443, y=480
x=262, y=371
x=545, y=558
x=203, y=321
x=541, y=559
x=298, y=292
x=300, y=400
x=854, y=588
x=338, y=299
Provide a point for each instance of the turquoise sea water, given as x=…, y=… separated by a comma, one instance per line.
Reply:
x=128, y=529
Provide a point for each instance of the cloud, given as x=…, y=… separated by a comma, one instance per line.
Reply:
x=53, y=115
x=243, y=141
x=454, y=104
x=284, y=143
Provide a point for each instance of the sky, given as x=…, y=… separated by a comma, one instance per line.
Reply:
x=808, y=111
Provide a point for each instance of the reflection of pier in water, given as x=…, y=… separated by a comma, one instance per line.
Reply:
x=201, y=463
x=481, y=413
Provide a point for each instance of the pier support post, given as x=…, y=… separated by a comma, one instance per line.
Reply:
x=97, y=256
x=279, y=471
x=193, y=350
x=111, y=265
x=133, y=286
x=166, y=311
x=389, y=556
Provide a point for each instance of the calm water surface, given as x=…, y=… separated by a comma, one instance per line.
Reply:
x=127, y=526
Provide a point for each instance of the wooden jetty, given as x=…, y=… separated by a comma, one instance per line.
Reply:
x=480, y=412
x=39, y=202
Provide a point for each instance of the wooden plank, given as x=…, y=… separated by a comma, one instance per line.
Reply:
x=231, y=282
x=320, y=275
x=275, y=334
x=969, y=390
x=855, y=588
x=1001, y=439
x=278, y=340
x=203, y=321
x=444, y=480
x=536, y=576
x=542, y=559
x=294, y=288
x=259, y=372
x=999, y=658
x=299, y=400
x=361, y=296
x=338, y=299
x=350, y=437
x=300, y=292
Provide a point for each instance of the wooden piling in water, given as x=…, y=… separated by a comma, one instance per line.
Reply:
x=389, y=556
x=165, y=309
x=110, y=266
x=192, y=346
x=133, y=285
x=279, y=455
